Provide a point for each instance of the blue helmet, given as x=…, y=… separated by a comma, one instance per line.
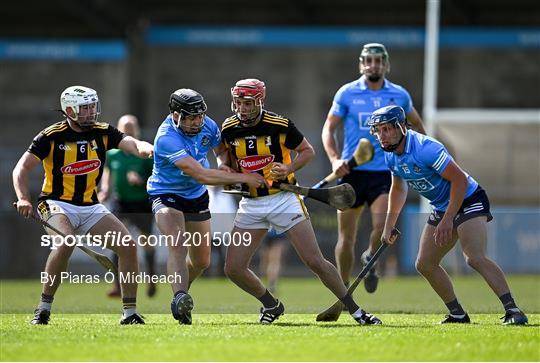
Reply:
x=392, y=114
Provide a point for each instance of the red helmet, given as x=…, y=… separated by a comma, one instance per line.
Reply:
x=251, y=89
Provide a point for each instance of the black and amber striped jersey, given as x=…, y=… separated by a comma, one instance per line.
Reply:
x=73, y=161
x=255, y=148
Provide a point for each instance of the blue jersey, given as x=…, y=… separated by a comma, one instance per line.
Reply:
x=421, y=164
x=171, y=145
x=354, y=103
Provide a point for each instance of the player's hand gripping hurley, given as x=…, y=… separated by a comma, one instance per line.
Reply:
x=333, y=312
x=362, y=154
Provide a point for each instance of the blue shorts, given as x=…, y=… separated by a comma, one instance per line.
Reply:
x=476, y=205
x=195, y=210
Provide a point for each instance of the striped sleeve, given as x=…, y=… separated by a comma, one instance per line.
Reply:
x=40, y=146
x=435, y=155
x=171, y=148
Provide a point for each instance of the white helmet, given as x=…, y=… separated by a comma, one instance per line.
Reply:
x=75, y=96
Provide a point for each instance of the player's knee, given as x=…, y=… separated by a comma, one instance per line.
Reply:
x=317, y=265
x=346, y=243
x=232, y=271
x=201, y=263
x=127, y=249
x=475, y=261
x=63, y=252
x=423, y=267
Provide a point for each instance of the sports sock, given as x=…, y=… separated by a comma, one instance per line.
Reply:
x=508, y=301
x=130, y=305
x=268, y=300
x=179, y=292
x=348, y=301
x=45, y=302
x=455, y=308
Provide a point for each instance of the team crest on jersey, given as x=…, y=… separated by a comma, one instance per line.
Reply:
x=405, y=168
x=416, y=169
x=93, y=145
x=255, y=162
x=268, y=141
x=235, y=143
x=205, y=140
x=81, y=167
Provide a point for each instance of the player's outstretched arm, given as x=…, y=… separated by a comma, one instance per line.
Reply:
x=396, y=201
x=26, y=163
x=136, y=147
x=206, y=176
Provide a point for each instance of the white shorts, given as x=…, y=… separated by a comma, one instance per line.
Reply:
x=82, y=218
x=281, y=211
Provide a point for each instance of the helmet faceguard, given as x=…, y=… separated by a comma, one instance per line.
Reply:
x=191, y=108
x=393, y=115
x=374, y=61
x=248, y=89
x=81, y=105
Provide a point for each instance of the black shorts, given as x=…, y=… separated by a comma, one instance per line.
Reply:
x=368, y=185
x=195, y=210
x=476, y=205
x=137, y=212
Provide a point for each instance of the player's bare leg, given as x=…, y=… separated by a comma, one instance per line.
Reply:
x=304, y=241
x=238, y=259
x=378, y=215
x=347, y=232
x=237, y=269
x=199, y=255
x=273, y=263
x=428, y=265
x=58, y=259
x=171, y=224
x=128, y=264
x=473, y=239
x=57, y=262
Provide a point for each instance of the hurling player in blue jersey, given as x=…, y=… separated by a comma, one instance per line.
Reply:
x=352, y=106
x=178, y=192
x=460, y=210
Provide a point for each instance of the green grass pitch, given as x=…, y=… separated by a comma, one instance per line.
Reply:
x=84, y=325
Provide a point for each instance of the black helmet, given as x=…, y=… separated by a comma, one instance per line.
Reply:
x=187, y=102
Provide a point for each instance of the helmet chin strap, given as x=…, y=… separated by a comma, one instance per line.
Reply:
x=251, y=121
x=391, y=148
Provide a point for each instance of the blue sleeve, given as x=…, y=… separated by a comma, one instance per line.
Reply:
x=339, y=104
x=435, y=155
x=388, y=162
x=216, y=134
x=171, y=147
